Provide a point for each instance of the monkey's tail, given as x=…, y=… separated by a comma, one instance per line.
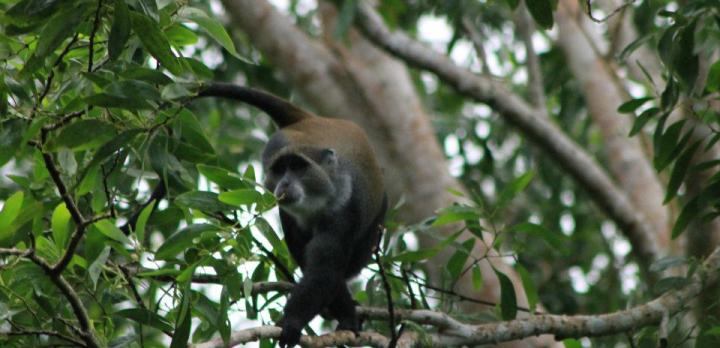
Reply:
x=280, y=110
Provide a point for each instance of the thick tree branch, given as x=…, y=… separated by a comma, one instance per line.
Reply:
x=456, y=333
x=558, y=146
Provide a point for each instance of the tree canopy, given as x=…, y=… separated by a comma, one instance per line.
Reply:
x=552, y=168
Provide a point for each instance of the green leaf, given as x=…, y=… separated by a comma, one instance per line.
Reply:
x=541, y=11
x=223, y=322
x=508, y=301
x=423, y=254
x=669, y=146
x=222, y=177
x=713, y=80
x=120, y=30
x=643, y=119
x=679, y=170
x=201, y=200
x=145, y=317
x=192, y=132
x=67, y=162
x=691, y=209
x=670, y=95
x=241, y=197
x=142, y=221
x=111, y=231
x=513, y=189
x=182, y=240
x=631, y=105
x=113, y=145
x=715, y=331
x=345, y=19
x=179, y=36
x=96, y=266
x=685, y=61
x=181, y=335
x=415, y=256
x=668, y=262
x=477, y=278
x=11, y=138
x=670, y=283
x=83, y=135
x=60, y=225
x=529, y=285
x=61, y=26
x=455, y=213
x=10, y=211
x=212, y=27
x=32, y=9
x=457, y=261
x=554, y=239
x=572, y=343
x=155, y=42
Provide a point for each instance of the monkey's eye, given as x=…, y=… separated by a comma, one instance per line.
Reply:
x=296, y=163
x=292, y=163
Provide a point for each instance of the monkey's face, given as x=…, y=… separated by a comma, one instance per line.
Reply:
x=303, y=186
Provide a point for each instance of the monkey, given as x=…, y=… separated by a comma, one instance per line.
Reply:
x=332, y=202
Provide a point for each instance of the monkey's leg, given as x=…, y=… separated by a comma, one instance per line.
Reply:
x=342, y=308
x=321, y=283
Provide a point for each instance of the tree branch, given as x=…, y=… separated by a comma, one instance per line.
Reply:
x=526, y=28
x=456, y=333
x=558, y=146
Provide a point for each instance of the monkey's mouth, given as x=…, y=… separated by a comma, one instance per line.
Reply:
x=287, y=199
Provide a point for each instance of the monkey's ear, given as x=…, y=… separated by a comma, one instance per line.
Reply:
x=328, y=157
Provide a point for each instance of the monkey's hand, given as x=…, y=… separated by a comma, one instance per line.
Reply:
x=290, y=335
x=348, y=324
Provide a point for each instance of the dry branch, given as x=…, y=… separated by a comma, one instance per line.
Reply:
x=557, y=145
x=458, y=333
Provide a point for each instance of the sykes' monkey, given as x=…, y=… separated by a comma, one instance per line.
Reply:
x=332, y=203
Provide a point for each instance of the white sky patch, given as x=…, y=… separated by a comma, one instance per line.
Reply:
x=473, y=152
x=481, y=110
x=567, y=224
x=567, y=198
x=482, y=129
x=456, y=166
x=629, y=278
x=577, y=279
x=305, y=6
x=430, y=81
x=434, y=30
x=452, y=145
x=520, y=166
x=281, y=4
x=520, y=77
x=487, y=186
x=212, y=57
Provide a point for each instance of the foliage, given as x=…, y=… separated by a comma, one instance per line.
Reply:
x=130, y=192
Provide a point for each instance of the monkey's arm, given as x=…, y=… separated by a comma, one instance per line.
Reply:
x=323, y=279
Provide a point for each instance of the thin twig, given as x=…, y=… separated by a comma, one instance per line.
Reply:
x=526, y=28
x=86, y=330
x=476, y=38
x=51, y=75
x=63, y=121
x=23, y=332
x=91, y=46
x=614, y=12
x=388, y=294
